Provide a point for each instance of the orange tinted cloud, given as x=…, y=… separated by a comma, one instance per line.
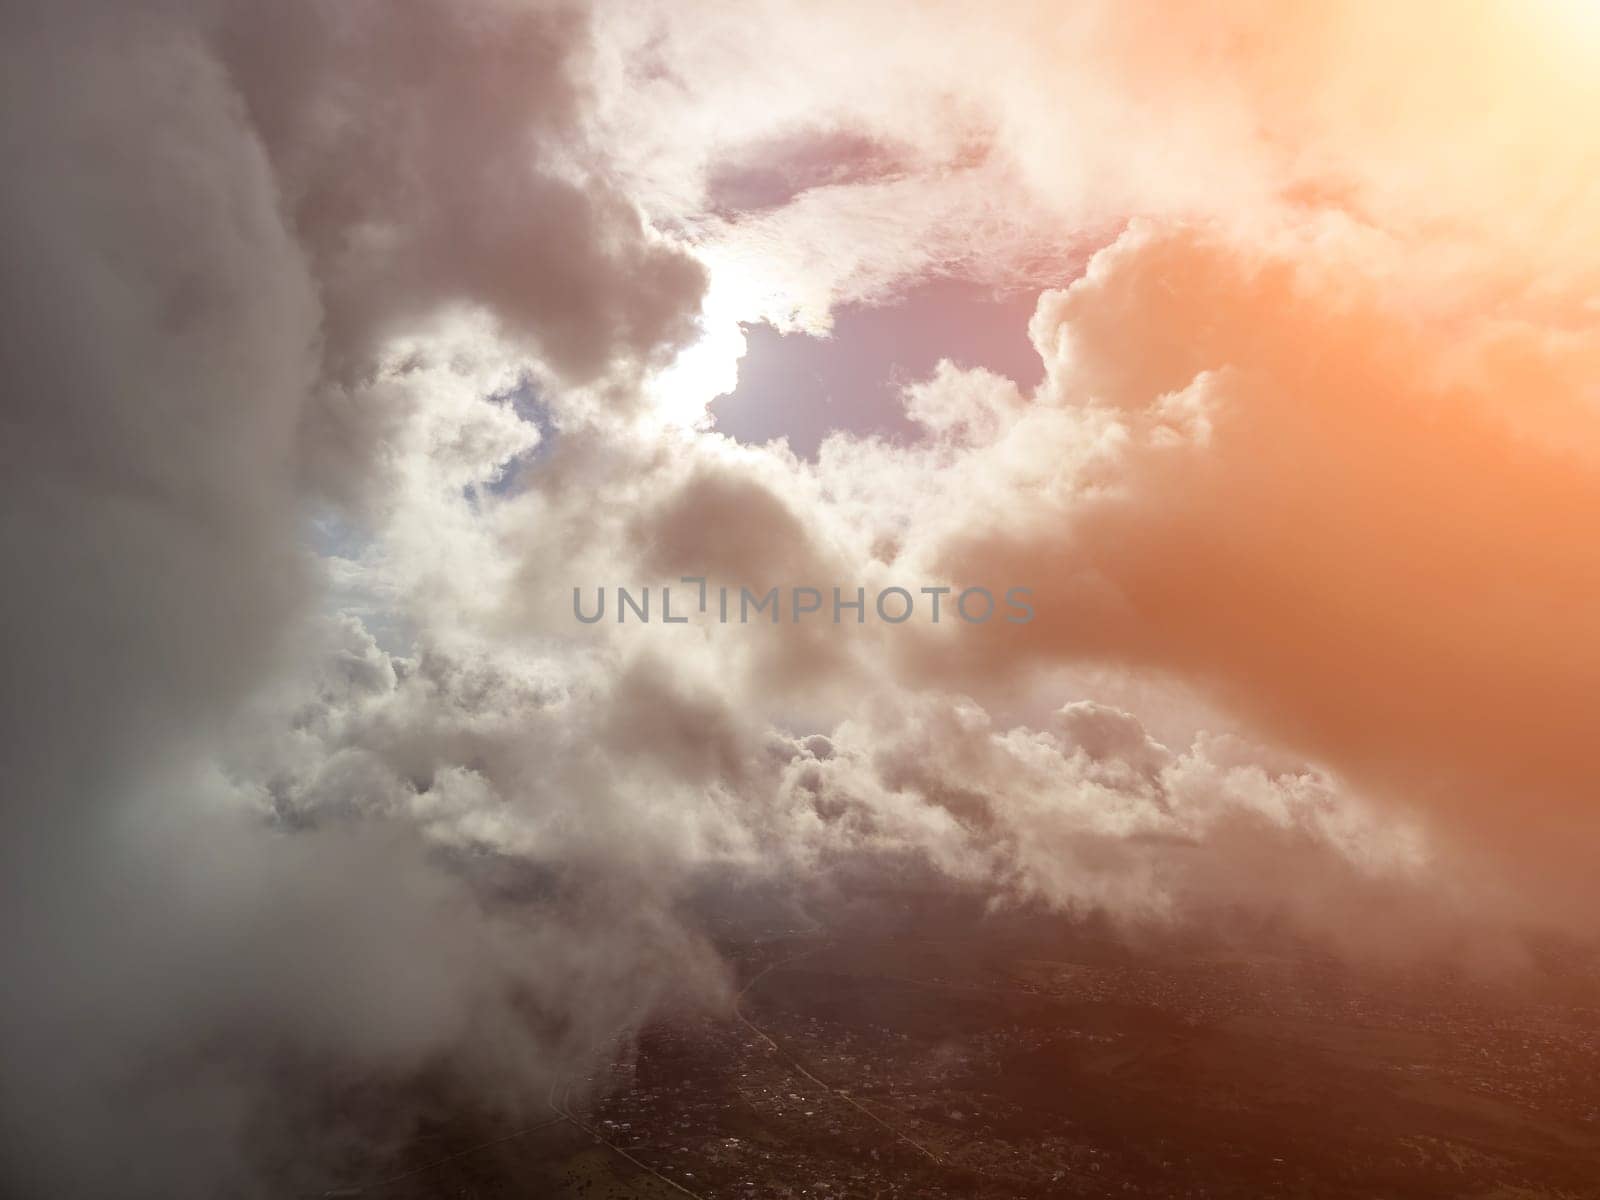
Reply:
x=1320, y=516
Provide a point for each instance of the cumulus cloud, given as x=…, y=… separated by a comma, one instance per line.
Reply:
x=1312, y=509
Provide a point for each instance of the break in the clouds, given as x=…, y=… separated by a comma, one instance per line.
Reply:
x=341, y=341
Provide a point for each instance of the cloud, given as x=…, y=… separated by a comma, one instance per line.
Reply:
x=223, y=226
x=436, y=156
x=1313, y=510
x=433, y=160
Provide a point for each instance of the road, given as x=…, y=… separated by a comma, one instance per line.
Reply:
x=738, y=1011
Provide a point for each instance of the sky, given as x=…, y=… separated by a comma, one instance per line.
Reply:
x=801, y=387
x=342, y=341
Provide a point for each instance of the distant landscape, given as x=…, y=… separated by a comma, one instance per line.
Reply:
x=1012, y=1056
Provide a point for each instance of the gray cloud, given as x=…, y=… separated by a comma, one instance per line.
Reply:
x=218, y=216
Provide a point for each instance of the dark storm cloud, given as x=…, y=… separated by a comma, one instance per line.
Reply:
x=213, y=216
x=429, y=155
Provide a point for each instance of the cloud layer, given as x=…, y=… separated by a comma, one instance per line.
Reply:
x=342, y=341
